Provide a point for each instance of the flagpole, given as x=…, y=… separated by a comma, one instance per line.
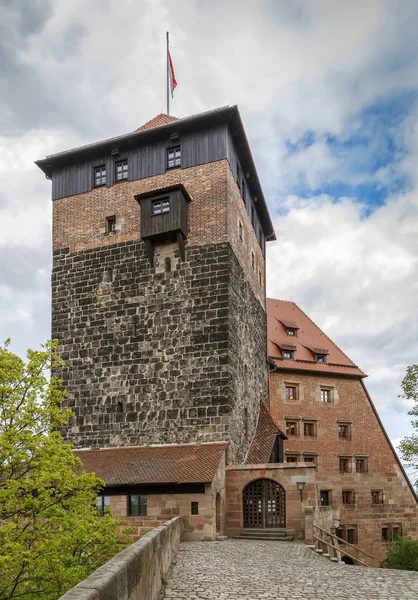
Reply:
x=168, y=78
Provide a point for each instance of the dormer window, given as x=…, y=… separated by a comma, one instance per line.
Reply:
x=174, y=156
x=291, y=331
x=161, y=206
x=288, y=354
x=320, y=358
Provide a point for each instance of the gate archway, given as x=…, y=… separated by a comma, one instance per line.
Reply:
x=264, y=504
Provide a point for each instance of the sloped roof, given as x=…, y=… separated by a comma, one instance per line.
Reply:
x=310, y=340
x=188, y=463
x=161, y=119
x=264, y=438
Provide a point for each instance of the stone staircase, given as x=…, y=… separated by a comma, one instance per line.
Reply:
x=278, y=535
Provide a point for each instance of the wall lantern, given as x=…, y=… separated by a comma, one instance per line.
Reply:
x=301, y=486
x=333, y=529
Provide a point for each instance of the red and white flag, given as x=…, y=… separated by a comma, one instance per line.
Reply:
x=173, y=82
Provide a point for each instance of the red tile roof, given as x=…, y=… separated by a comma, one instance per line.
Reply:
x=160, y=119
x=264, y=438
x=310, y=340
x=188, y=463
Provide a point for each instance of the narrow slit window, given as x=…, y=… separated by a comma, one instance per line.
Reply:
x=167, y=264
x=110, y=224
x=240, y=232
x=174, y=157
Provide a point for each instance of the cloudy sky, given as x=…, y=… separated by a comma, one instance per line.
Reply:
x=328, y=91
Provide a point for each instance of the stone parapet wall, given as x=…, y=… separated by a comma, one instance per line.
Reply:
x=137, y=572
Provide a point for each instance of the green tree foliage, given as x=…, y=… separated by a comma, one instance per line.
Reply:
x=51, y=536
x=409, y=445
x=402, y=554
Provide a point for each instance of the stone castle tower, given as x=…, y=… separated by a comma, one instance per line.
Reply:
x=158, y=284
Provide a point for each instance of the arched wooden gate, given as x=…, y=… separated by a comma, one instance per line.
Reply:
x=264, y=503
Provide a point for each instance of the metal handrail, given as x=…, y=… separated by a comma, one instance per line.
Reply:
x=341, y=540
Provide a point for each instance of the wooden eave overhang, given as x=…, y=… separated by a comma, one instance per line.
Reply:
x=226, y=115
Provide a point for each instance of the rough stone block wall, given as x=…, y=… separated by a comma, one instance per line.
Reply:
x=136, y=572
x=154, y=356
x=350, y=404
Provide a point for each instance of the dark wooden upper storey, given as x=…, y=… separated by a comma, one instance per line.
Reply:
x=203, y=138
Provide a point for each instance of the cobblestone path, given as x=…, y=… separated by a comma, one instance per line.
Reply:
x=263, y=570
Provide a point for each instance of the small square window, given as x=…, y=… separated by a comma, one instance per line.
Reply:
x=291, y=459
x=194, y=508
x=361, y=465
x=377, y=496
x=325, y=498
x=103, y=504
x=287, y=354
x=345, y=465
x=326, y=396
x=309, y=429
x=290, y=392
x=309, y=459
x=100, y=175
x=344, y=432
x=347, y=497
x=174, y=157
x=320, y=358
x=137, y=505
x=160, y=206
x=110, y=224
x=121, y=169
x=291, y=428
x=291, y=331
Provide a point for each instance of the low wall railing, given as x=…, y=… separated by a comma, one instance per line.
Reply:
x=137, y=572
x=333, y=544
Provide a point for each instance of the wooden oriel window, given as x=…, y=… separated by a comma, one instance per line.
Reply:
x=161, y=206
x=345, y=465
x=325, y=498
x=99, y=175
x=377, y=496
x=121, y=169
x=102, y=504
x=347, y=497
x=309, y=429
x=174, y=156
x=291, y=428
x=291, y=392
x=137, y=505
x=344, y=432
x=326, y=395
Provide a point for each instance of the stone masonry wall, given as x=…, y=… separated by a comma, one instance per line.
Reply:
x=351, y=405
x=151, y=356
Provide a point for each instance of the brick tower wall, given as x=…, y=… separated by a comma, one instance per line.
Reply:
x=154, y=356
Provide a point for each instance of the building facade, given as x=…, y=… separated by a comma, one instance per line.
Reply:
x=318, y=396
x=159, y=308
